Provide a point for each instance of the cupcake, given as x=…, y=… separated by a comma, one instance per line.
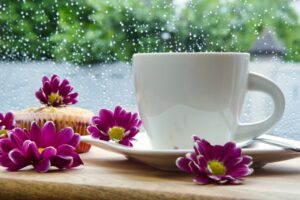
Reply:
x=56, y=97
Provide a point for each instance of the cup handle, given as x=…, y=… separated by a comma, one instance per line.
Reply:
x=251, y=130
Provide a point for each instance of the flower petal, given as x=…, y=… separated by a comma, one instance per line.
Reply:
x=9, y=121
x=217, y=152
x=5, y=161
x=183, y=164
x=35, y=133
x=48, y=134
x=106, y=116
x=62, y=162
x=196, y=138
x=48, y=153
x=53, y=77
x=18, y=136
x=124, y=121
x=42, y=166
x=118, y=110
x=205, y=148
x=132, y=132
x=228, y=149
x=96, y=133
x=55, y=84
x=17, y=157
x=231, y=162
x=47, y=88
x=214, y=177
x=31, y=150
x=65, y=90
x=75, y=140
x=64, y=136
x=76, y=160
x=65, y=149
x=64, y=83
x=16, y=167
x=96, y=120
x=241, y=172
x=126, y=142
x=247, y=160
x=5, y=145
x=45, y=79
x=201, y=180
x=202, y=162
x=73, y=95
x=135, y=121
x=40, y=96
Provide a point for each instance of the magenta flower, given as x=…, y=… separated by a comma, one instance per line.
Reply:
x=215, y=164
x=56, y=93
x=41, y=148
x=118, y=126
x=7, y=123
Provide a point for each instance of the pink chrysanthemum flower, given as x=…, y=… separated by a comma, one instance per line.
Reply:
x=216, y=164
x=56, y=93
x=119, y=126
x=40, y=147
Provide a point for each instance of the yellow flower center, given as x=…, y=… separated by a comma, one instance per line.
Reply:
x=217, y=168
x=3, y=132
x=116, y=133
x=41, y=149
x=54, y=97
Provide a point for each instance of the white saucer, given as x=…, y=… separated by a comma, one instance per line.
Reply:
x=164, y=159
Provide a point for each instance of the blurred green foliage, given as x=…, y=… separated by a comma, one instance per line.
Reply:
x=26, y=28
x=93, y=31
x=235, y=25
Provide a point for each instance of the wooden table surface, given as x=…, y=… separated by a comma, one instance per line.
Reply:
x=107, y=175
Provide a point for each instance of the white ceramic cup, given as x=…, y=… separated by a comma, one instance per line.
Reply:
x=185, y=94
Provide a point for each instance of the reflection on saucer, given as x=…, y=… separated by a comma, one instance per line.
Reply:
x=164, y=159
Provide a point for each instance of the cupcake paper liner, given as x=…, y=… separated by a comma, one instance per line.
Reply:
x=78, y=121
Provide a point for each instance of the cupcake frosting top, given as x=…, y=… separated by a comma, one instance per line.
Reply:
x=52, y=113
x=59, y=110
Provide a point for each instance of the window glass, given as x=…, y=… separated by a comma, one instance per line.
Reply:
x=91, y=42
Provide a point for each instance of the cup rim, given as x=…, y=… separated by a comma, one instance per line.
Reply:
x=193, y=54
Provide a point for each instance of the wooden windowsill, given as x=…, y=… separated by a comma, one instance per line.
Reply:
x=107, y=175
